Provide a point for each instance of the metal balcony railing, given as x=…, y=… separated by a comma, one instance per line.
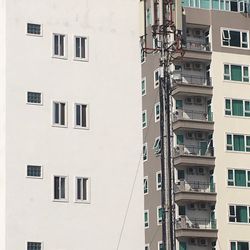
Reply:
x=178, y=78
x=196, y=186
x=197, y=45
x=192, y=115
x=194, y=150
x=195, y=223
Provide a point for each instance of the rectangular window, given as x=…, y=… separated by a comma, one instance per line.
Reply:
x=145, y=184
x=159, y=215
x=236, y=142
x=239, y=245
x=81, y=115
x=82, y=189
x=238, y=73
x=180, y=139
x=60, y=188
x=144, y=119
x=158, y=180
x=59, y=45
x=156, y=78
x=147, y=247
x=239, y=214
x=157, y=112
x=157, y=145
x=143, y=86
x=238, y=178
x=146, y=218
x=237, y=107
x=59, y=113
x=81, y=48
x=34, y=245
x=34, y=98
x=34, y=29
x=160, y=246
x=34, y=171
x=234, y=38
x=145, y=152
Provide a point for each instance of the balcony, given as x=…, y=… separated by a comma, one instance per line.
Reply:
x=186, y=155
x=196, y=227
x=189, y=119
x=191, y=84
x=195, y=191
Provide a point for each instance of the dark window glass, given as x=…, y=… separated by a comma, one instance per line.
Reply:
x=83, y=47
x=34, y=97
x=235, y=38
x=56, y=187
x=56, y=49
x=34, y=171
x=61, y=45
x=33, y=28
x=182, y=210
x=56, y=114
x=34, y=246
x=234, y=6
x=62, y=113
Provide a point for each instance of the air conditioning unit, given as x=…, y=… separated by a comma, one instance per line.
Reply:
x=198, y=33
x=188, y=100
x=197, y=66
x=202, y=242
x=199, y=136
x=191, y=206
x=190, y=135
x=198, y=100
x=188, y=66
x=192, y=241
x=202, y=206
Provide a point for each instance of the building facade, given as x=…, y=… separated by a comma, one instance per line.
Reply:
x=68, y=159
x=210, y=124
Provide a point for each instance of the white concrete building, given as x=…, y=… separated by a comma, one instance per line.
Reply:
x=70, y=127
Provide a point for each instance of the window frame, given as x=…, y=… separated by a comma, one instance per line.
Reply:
x=158, y=184
x=66, y=199
x=236, y=243
x=31, y=34
x=34, y=103
x=235, y=213
x=229, y=75
x=65, y=56
x=145, y=180
x=65, y=115
x=34, y=177
x=233, y=179
x=156, y=82
x=159, y=220
x=157, y=116
x=88, y=191
x=144, y=122
x=144, y=90
x=157, y=145
x=28, y=241
x=146, y=223
x=75, y=116
x=145, y=145
x=86, y=59
x=222, y=37
x=147, y=247
x=246, y=147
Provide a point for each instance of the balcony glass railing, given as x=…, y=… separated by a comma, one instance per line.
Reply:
x=203, y=150
x=179, y=77
x=196, y=186
x=197, y=45
x=195, y=223
x=192, y=115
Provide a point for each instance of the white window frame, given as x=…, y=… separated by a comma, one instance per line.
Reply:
x=147, y=247
x=158, y=184
x=144, y=90
x=53, y=114
x=86, y=58
x=159, y=245
x=222, y=35
x=35, y=241
x=156, y=82
x=236, y=243
x=231, y=107
x=87, y=116
x=235, y=216
x=159, y=220
x=230, y=72
x=66, y=199
x=157, y=145
x=157, y=116
x=145, y=145
x=145, y=180
x=144, y=122
x=65, y=46
x=233, y=180
x=30, y=34
x=32, y=103
x=232, y=145
x=88, y=186
x=34, y=177
x=146, y=223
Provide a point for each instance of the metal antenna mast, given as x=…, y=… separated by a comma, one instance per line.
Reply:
x=167, y=36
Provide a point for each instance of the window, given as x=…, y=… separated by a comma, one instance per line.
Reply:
x=180, y=174
x=143, y=86
x=180, y=139
x=34, y=98
x=145, y=152
x=179, y=104
x=156, y=78
x=158, y=180
x=143, y=53
x=60, y=188
x=157, y=145
x=234, y=38
x=34, y=171
x=81, y=48
x=159, y=215
x=147, y=247
x=81, y=115
x=59, y=113
x=238, y=213
x=238, y=73
x=160, y=245
x=144, y=119
x=82, y=189
x=146, y=218
x=237, y=142
x=59, y=45
x=238, y=177
x=34, y=29
x=239, y=245
x=157, y=112
x=182, y=210
x=145, y=184
x=34, y=246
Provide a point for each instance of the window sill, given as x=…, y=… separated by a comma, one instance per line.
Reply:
x=81, y=128
x=61, y=200
x=233, y=47
x=81, y=59
x=60, y=57
x=82, y=202
x=59, y=126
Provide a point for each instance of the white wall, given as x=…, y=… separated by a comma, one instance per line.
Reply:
x=108, y=153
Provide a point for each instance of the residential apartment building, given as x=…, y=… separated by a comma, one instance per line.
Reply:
x=210, y=125
x=68, y=158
